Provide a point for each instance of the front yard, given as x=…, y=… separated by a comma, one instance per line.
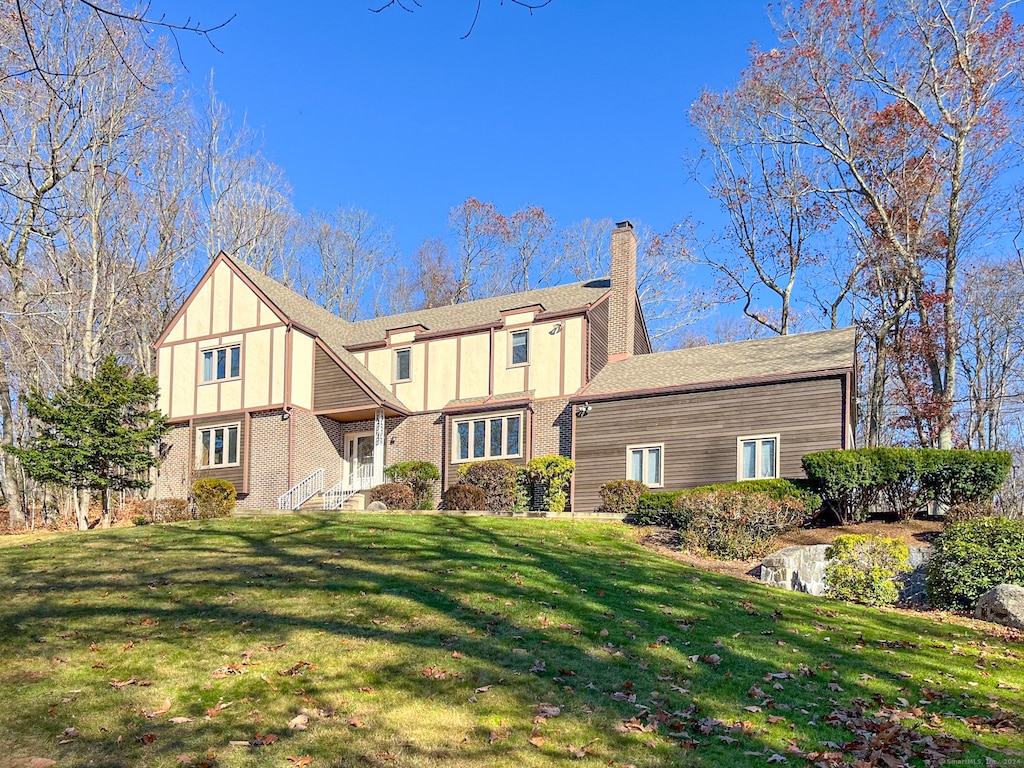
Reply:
x=414, y=641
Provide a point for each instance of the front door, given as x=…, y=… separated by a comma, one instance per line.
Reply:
x=360, y=461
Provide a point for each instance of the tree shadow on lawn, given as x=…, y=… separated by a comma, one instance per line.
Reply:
x=427, y=582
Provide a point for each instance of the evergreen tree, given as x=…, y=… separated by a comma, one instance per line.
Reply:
x=95, y=434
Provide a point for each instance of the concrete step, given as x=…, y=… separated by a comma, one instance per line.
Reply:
x=313, y=503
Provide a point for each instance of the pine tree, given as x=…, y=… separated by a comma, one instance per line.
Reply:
x=95, y=434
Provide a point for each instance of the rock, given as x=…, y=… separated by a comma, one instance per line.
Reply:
x=1003, y=605
x=377, y=506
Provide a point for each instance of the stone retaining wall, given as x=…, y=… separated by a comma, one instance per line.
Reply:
x=802, y=569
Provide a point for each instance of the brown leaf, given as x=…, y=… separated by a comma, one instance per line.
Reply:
x=180, y=720
x=260, y=740
x=183, y=760
x=300, y=762
x=355, y=722
x=537, y=741
x=161, y=710
x=548, y=710
x=147, y=738
x=298, y=723
x=39, y=762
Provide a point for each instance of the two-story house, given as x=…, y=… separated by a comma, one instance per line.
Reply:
x=291, y=403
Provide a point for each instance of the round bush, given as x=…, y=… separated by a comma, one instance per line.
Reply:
x=421, y=476
x=392, y=496
x=503, y=483
x=973, y=556
x=866, y=569
x=213, y=498
x=621, y=497
x=464, y=496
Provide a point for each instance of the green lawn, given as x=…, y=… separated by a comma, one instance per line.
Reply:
x=416, y=641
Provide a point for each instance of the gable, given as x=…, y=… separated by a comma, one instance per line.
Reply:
x=221, y=303
x=334, y=388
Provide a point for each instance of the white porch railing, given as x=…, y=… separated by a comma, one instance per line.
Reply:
x=302, y=491
x=360, y=480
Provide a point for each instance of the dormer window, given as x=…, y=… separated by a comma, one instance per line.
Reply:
x=520, y=347
x=403, y=364
x=223, y=363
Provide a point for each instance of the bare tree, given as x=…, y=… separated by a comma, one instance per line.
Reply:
x=531, y=256
x=349, y=252
x=479, y=231
x=409, y=6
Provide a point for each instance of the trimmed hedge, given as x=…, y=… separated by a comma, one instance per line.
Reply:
x=866, y=569
x=973, y=556
x=504, y=484
x=420, y=476
x=213, y=498
x=464, y=496
x=902, y=480
x=658, y=508
x=552, y=474
x=391, y=495
x=621, y=497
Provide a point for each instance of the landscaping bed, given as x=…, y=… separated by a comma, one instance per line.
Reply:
x=395, y=640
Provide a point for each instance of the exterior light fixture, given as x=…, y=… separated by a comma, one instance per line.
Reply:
x=582, y=410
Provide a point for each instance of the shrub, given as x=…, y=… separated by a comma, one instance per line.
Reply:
x=213, y=498
x=971, y=510
x=166, y=511
x=660, y=508
x=903, y=479
x=464, y=496
x=140, y=520
x=503, y=483
x=973, y=556
x=553, y=474
x=392, y=495
x=734, y=523
x=621, y=497
x=421, y=476
x=866, y=569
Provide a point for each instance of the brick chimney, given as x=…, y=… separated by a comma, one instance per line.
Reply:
x=622, y=309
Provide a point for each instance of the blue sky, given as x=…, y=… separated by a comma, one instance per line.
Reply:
x=580, y=108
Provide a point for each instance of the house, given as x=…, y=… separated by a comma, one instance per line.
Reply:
x=294, y=405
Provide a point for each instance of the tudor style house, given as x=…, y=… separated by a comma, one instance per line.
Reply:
x=296, y=406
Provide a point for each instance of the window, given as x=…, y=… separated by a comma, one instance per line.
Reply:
x=223, y=363
x=491, y=437
x=520, y=347
x=217, y=447
x=644, y=464
x=403, y=364
x=758, y=457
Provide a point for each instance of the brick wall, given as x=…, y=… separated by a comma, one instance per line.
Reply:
x=173, y=474
x=552, y=428
x=318, y=445
x=268, y=460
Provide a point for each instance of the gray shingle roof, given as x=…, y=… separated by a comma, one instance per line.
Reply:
x=775, y=356
x=331, y=328
x=472, y=313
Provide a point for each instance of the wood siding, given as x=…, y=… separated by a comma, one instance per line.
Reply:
x=333, y=388
x=699, y=431
x=597, y=346
x=234, y=475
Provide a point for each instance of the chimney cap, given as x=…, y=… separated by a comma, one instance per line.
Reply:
x=624, y=224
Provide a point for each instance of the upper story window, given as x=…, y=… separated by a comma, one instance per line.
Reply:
x=520, y=348
x=222, y=363
x=217, y=447
x=644, y=463
x=489, y=437
x=758, y=457
x=403, y=364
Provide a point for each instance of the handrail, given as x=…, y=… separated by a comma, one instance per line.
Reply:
x=302, y=491
x=360, y=480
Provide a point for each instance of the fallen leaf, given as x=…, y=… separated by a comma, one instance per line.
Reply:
x=537, y=741
x=147, y=738
x=183, y=760
x=298, y=723
x=161, y=710
x=300, y=762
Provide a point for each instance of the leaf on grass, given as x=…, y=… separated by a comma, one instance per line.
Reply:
x=777, y=759
x=261, y=740
x=297, y=669
x=119, y=684
x=366, y=689
x=580, y=752
x=548, y=710
x=355, y=722
x=537, y=740
x=163, y=709
x=713, y=659
x=183, y=760
x=180, y=720
x=147, y=738
x=300, y=762
x=538, y=666
x=39, y=762
x=298, y=723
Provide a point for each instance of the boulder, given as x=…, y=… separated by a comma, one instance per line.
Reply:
x=377, y=506
x=1003, y=605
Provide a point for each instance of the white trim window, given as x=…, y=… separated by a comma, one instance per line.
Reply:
x=403, y=364
x=217, y=446
x=495, y=436
x=646, y=464
x=519, y=348
x=757, y=457
x=222, y=363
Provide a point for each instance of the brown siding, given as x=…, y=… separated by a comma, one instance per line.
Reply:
x=234, y=475
x=641, y=341
x=699, y=430
x=332, y=387
x=597, y=347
